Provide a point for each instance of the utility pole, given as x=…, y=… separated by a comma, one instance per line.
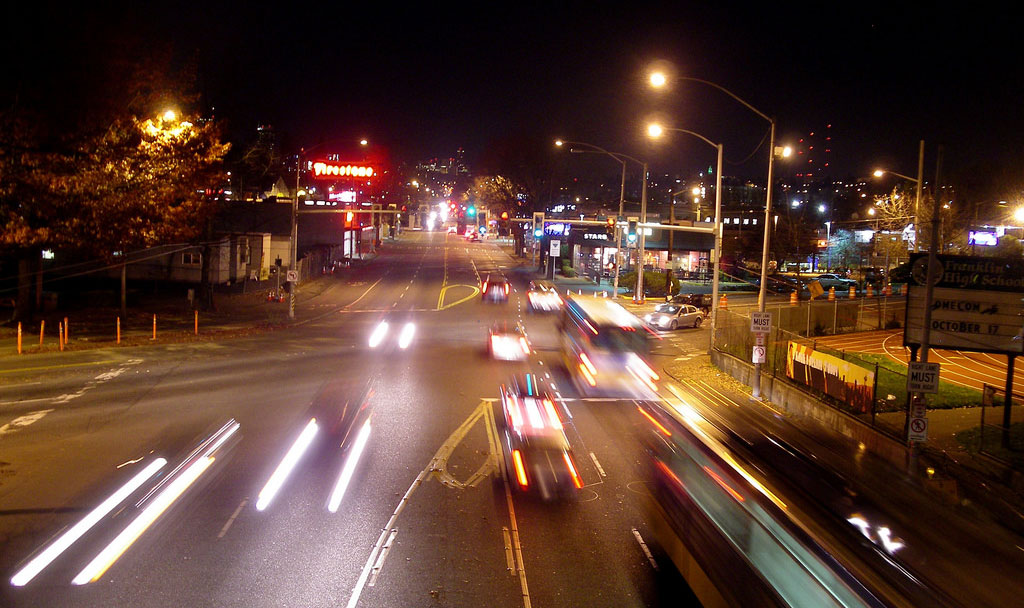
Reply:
x=638, y=295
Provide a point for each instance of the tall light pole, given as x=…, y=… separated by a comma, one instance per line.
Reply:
x=622, y=197
x=658, y=80
x=917, y=198
x=655, y=131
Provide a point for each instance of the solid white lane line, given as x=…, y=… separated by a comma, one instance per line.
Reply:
x=361, y=582
x=597, y=464
x=643, y=546
x=231, y=519
x=509, y=561
x=380, y=558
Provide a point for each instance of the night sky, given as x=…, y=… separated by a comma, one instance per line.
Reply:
x=423, y=82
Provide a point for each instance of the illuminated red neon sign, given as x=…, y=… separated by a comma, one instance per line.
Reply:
x=325, y=169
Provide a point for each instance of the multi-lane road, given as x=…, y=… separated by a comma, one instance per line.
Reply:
x=427, y=519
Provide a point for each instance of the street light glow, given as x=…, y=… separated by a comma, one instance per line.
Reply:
x=169, y=115
x=559, y=143
x=1018, y=215
x=658, y=79
x=655, y=130
x=878, y=173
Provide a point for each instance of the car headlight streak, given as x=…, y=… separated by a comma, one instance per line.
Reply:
x=349, y=468
x=41, y=561
x=405, y=338
x=284, y=469
x=378, y=334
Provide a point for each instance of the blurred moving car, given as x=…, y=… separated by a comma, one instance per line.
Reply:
x=542, y=296
x=508, y=342
x=674, y=316
x=537, y=454
x=495, y=288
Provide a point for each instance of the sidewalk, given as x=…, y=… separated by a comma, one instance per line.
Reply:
x=235, y=314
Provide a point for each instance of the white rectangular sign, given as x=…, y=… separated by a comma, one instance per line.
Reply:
x=556, y=247
x=967, y=319
x=922, y=377
x=758, y=356
x=760, y=322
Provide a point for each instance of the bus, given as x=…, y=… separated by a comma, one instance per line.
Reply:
x=604, y=349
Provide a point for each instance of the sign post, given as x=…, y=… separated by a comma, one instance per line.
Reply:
x=760, y=325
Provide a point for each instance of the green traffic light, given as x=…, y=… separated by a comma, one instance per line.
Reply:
x=471, y=211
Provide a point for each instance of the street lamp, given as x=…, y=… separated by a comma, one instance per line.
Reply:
x=919, y=181
x=619, y=156
x=655, y=130
x=658, y=80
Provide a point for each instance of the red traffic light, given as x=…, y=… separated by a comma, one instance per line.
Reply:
x=504, y=215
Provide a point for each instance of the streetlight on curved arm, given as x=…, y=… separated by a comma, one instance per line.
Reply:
x=622, y=197
x=919, y=182
x=655, y=130
x=658, y=80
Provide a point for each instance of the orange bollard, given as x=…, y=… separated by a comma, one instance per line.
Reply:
x=42, y=327
x=19, y=337
x=831, y=294
x=794, y=299
x=119, y=330
x=887, y=290
x=853, y=292
x=871, y=291
x=197, y=322
x=60, y=336
x=154, y=328
x=723, y=302
x=66, y=339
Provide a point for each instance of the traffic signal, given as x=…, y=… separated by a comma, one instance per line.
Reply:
x=538, y=232
x=504, y=215
x=611, y=228
x=471, y=211
x=631, y=231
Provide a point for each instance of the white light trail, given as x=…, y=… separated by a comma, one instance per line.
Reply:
x=284, y=469
x=349, y=468
x=405, y=338
x=41, y=561
x=378, y=334
x=110, y=554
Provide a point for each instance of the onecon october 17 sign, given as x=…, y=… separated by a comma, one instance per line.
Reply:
x=976, y=304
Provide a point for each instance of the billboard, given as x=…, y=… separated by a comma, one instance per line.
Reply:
x=976, y=304
x=840, y=379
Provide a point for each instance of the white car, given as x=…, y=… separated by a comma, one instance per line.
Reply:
x=674, y=316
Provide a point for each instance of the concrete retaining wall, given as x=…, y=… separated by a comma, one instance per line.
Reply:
x=800, y=404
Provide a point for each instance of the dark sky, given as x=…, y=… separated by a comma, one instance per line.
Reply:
x=425, y=80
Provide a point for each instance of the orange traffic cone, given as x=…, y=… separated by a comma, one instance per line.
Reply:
x=887, y=290
x=871, y=291
x=793, y=299
x=723, y=302
x=853, y=292
x=831, y=294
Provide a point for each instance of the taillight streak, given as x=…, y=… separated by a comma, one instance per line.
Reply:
x=552, y=415
x=517, y=461
x=654, y=421
x=576, y=481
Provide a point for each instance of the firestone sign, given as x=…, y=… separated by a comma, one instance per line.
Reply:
x=323, y=169
x=976, y=304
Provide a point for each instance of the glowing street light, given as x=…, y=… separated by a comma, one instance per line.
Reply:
x=658, y=80
x=919, y=182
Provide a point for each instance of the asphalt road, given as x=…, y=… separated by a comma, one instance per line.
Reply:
x=74, y=431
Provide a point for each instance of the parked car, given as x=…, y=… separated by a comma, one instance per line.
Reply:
x=829, y=279
x=700, y=300
x=674, y=316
